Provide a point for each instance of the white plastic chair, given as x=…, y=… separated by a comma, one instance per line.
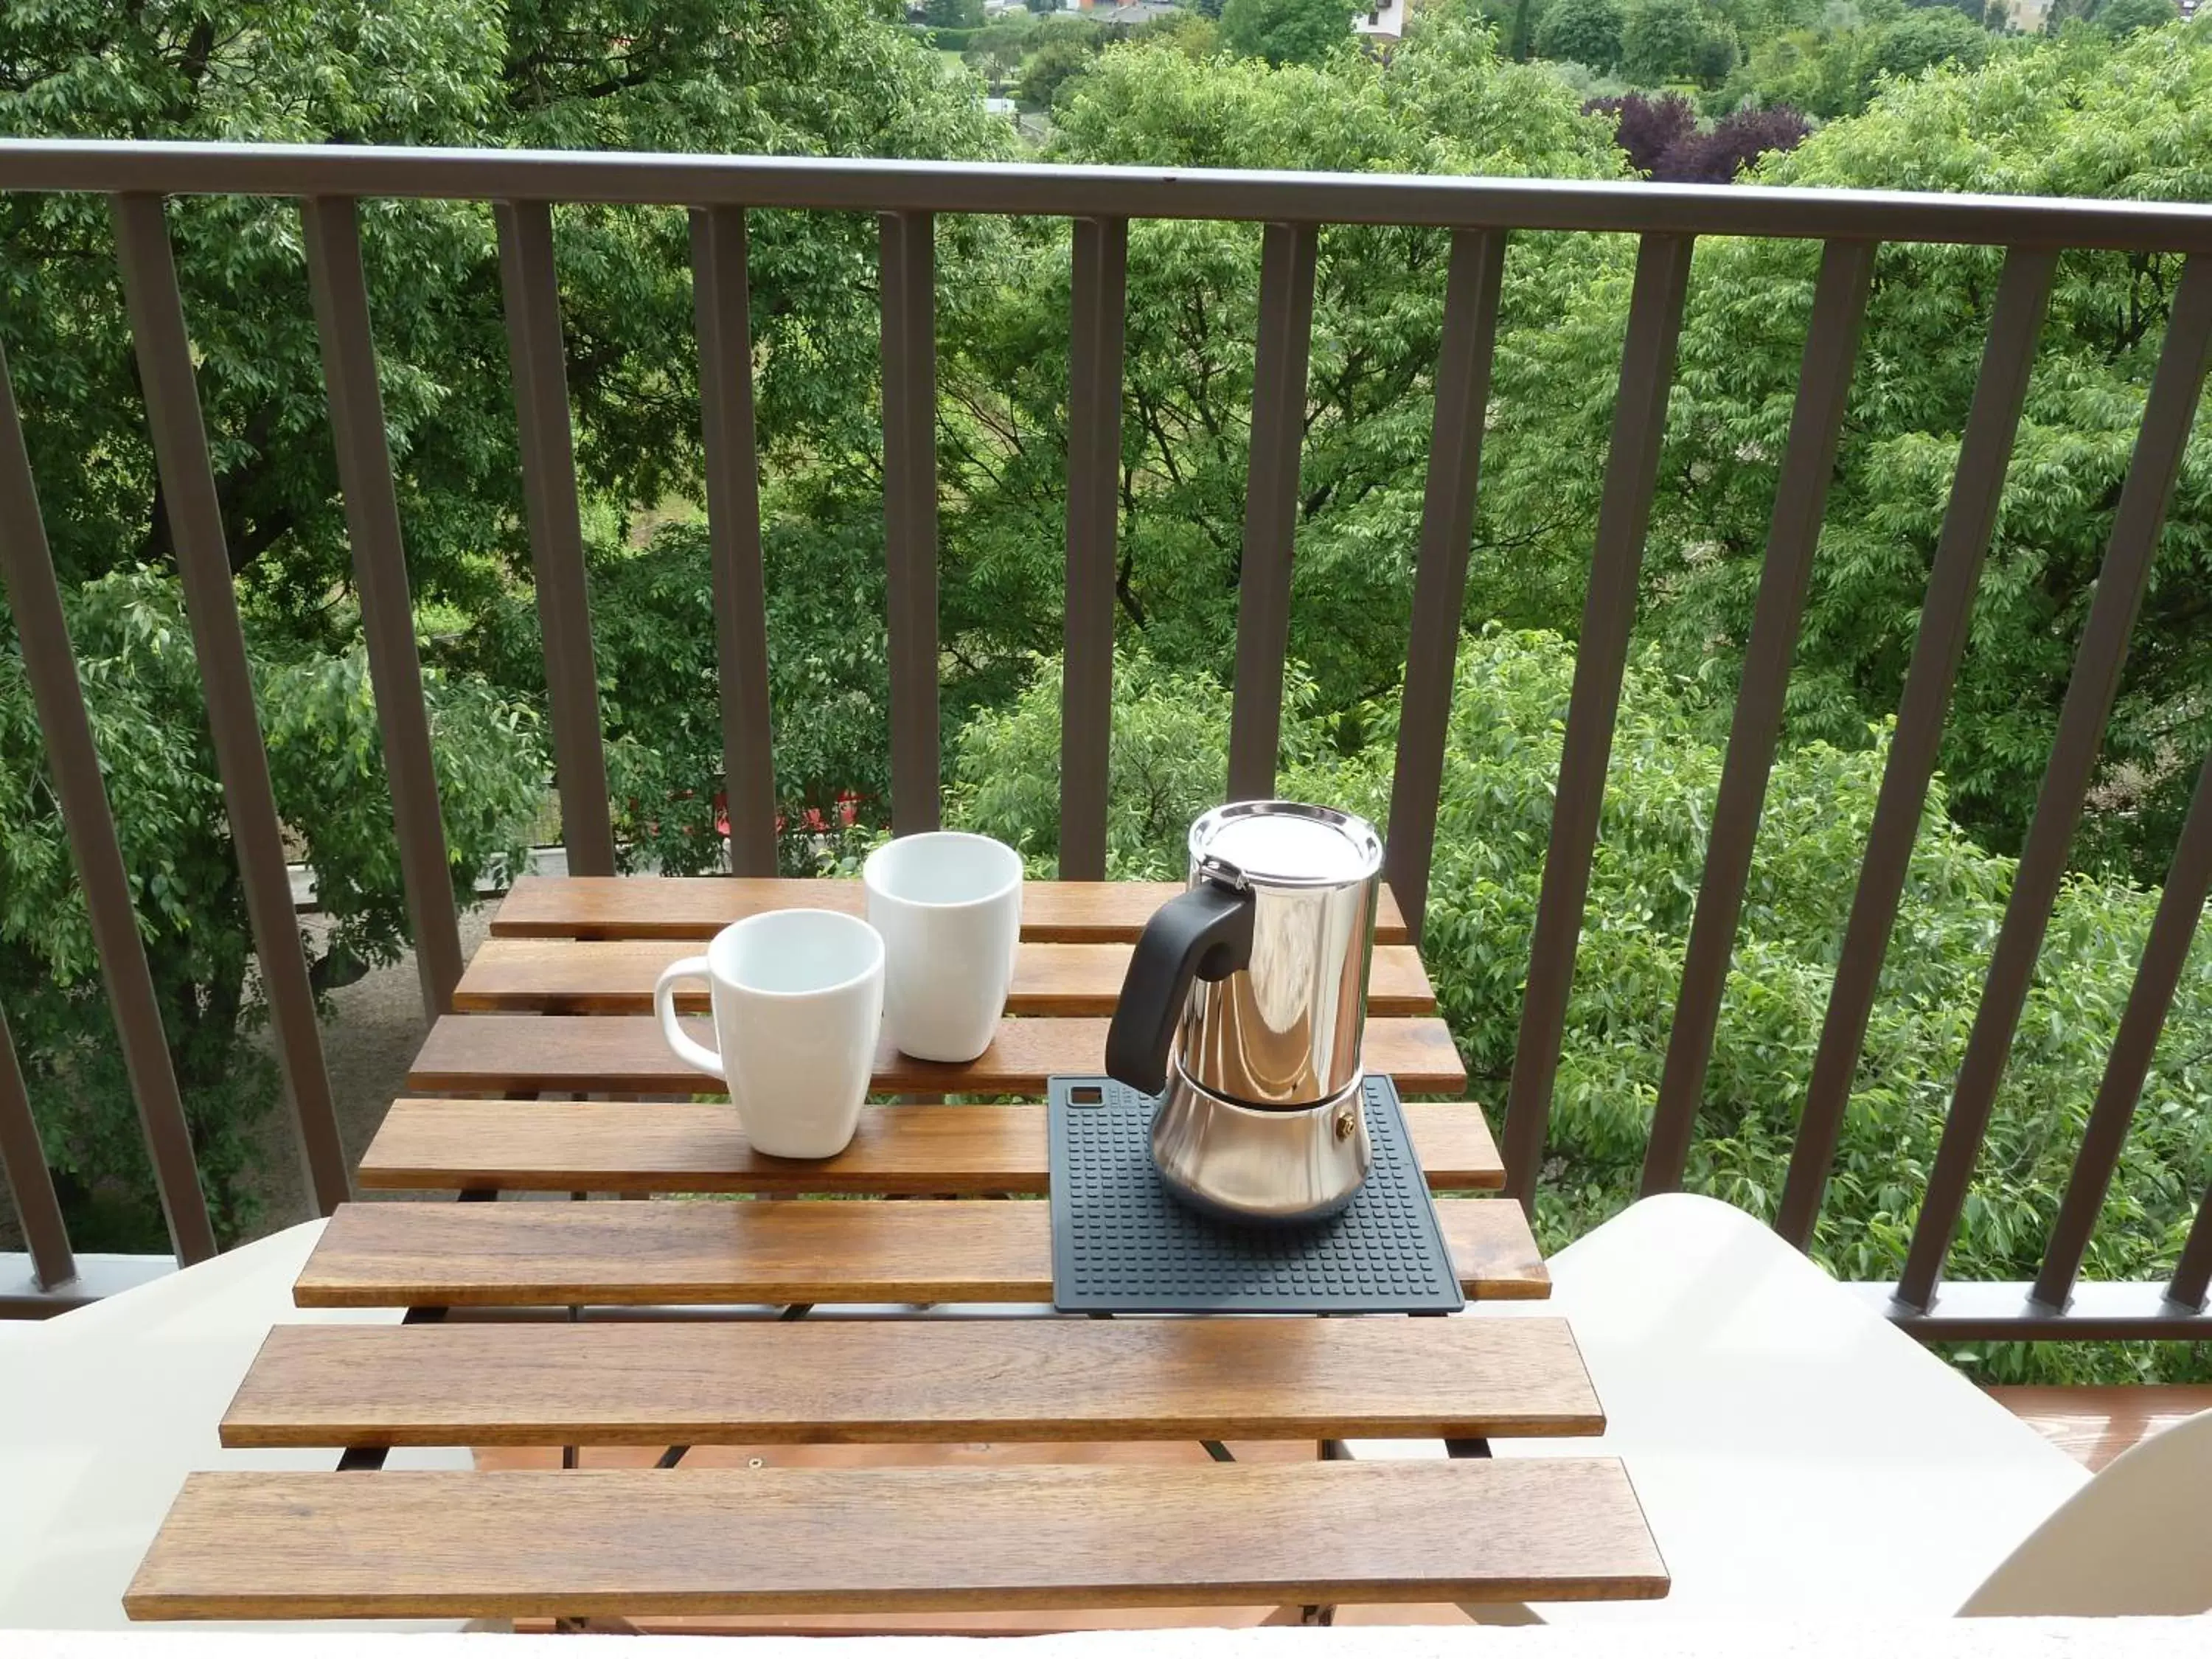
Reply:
x=2136, y=1540
x=105, y=1410
x=1797, y=1456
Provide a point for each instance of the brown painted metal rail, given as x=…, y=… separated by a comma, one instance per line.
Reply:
x=526, y=186
x=878, y=187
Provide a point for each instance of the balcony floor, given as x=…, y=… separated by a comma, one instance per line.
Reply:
x=2095, y=1426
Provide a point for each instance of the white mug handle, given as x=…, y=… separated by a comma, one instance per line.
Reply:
x=689, y=1052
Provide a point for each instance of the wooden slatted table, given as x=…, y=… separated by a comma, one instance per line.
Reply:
x=672, y=1324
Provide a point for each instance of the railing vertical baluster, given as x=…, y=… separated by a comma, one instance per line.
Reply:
x=1632, y=468
x=557, y=531
x=24, y=1174
x=1099, y=292
x=340, y=292
x=2192, y=1273
x=910, y=343
x=1800, y=497
x=2168, y=413
x=1463, y=361
x=1271, y=506
x=73, y=762
x=2166, y=952
x=722, y=302
x=1969, y=520
x=188, y=492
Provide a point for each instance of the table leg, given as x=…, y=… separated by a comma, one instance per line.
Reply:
x=572, y=1457
x=361, y=1458
x=1312, y=1613
x=1489, y=1613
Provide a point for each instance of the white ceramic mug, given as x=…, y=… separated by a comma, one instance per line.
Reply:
x=949, y=906
x=798, y=1005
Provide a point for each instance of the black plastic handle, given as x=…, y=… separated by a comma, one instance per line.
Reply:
x=1204, y=933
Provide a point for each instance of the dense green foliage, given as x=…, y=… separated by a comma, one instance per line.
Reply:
x=1052, y=66
x=1667, y=41
x=142, y=690
x=1833, y=63
x=2113, y=17
x=1924, y=99
x=827, y=74
x=1501, y=761
x=2068, y=121
x=1822, y=60
x=1583, y=31
x=1444, y=103
x=1286, y=31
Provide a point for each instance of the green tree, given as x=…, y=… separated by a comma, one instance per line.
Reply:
x=1806, y=69
x=1756, y=20
x=830, y=76
x=142, y=690
x=1716, y=54
x=714, y=75
x=1517, y=39
x=2120, y=18
x=953, y=14
x=1050, y=68
x=1166, y=759
x=829, y=684
x=1190, y=33
x=2073, y=120
x=1920, y=41
x=1501, y=764
x=2078, y=117
x=1583, y=31
x=1659, y=40
x=1286, y=31
x=1444, y=103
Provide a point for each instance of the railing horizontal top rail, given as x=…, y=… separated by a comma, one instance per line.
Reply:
x=905, y=196
x=881, y=186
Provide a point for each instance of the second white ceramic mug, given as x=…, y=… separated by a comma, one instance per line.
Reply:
x=799, y=1005
x=949, y=906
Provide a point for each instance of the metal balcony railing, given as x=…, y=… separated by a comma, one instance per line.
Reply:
x=1481, y=213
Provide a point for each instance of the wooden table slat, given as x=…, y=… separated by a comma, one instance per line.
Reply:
x=623, y=1054
x=615, y=976
x=773, y=1250
x=877, y=1382
x=520, y=1544
x=689, y=1146
x=697, y=907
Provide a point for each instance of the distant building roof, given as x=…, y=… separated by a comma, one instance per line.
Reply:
x=1385, y=20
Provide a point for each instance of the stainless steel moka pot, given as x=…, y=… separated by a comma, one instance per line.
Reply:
x=1243, y=1010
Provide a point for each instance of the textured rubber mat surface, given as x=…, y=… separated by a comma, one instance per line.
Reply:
x=1121, y=1243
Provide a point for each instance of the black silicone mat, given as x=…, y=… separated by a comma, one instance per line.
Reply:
x=1121, y=1243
